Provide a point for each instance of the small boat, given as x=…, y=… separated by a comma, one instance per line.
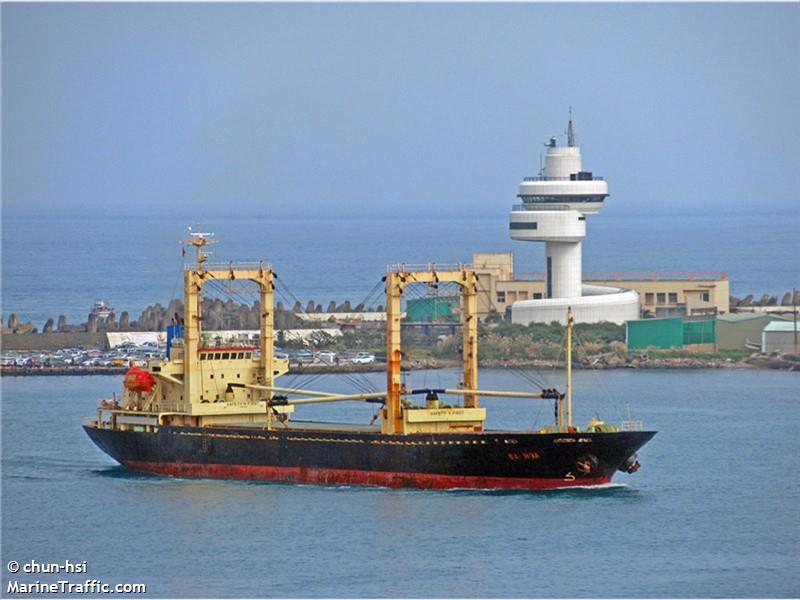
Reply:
x=102, y=311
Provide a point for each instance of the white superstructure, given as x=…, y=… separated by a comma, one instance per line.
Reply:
x=553, y=210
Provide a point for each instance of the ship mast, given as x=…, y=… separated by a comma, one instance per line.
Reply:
x=200, y=240
x=192, y=311
x=570, y=322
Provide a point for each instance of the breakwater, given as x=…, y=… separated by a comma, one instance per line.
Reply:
x=230, y=315
x=217, y=315
x=53, y=341
x=750, y=300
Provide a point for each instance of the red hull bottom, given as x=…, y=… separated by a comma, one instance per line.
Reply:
x=356, y=477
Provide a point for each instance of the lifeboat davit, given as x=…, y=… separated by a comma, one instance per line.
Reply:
x=139, y=380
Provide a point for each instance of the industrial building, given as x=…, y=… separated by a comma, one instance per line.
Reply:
x=740, y=331
x=766, y=333
x=780, y=336
x=696, y=334
x=690, y=294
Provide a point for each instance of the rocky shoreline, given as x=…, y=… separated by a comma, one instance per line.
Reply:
x=601, y=362
x=613, y=361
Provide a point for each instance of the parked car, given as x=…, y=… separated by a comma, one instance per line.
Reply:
x=363, y=358
x=326, y=356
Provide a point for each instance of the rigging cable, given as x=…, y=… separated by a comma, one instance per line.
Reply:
x=614, y=405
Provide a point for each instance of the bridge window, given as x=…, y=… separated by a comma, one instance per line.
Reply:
x=225, y=355
x=531, y=225
x=501, y=297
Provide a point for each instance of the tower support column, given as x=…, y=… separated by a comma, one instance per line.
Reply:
x=564, y=270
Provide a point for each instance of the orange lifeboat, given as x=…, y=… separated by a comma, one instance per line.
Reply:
x=139, y=380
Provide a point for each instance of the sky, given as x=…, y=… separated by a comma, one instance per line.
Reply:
x=428, y=110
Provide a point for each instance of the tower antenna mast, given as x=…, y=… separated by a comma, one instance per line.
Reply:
x=570, y=132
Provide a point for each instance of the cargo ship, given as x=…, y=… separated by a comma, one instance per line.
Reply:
x=219, y=412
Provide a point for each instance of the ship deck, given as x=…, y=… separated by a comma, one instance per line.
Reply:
x=322, y=426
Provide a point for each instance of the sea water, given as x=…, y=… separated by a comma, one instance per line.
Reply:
x=713, y=512
x=61, y=266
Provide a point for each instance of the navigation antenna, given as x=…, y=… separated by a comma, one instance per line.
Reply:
x=570, y=132
x=200, y=240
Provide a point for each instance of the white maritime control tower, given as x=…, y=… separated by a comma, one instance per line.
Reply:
x=553, y=210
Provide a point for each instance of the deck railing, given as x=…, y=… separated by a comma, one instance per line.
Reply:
x=542, y=178
x=428, y=267
x=631, y=426
x=223, y=266
x=655, y=275
x=538, y=206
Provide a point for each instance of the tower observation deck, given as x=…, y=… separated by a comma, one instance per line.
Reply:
x=553, y=210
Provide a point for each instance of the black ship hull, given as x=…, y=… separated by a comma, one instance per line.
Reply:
x=487, y=460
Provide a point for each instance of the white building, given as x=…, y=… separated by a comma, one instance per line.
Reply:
x=553, y=210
